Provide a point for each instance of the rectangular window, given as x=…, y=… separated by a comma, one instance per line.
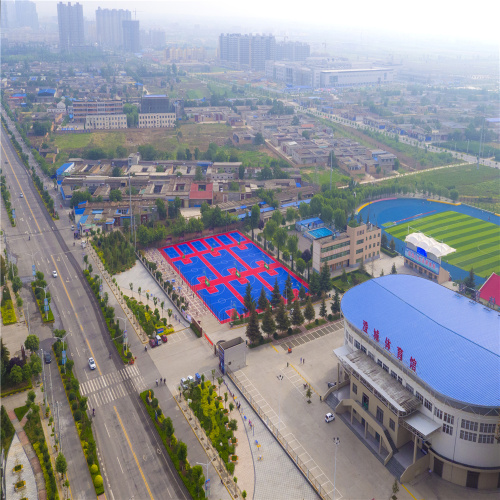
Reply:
x=438, y=412
x=486, y=438
x=469, y=425
x=487, y=428
x=428, y=404
x=468, y=436
x=380, y=415
x=419, y=396
x=359, y=251
x=350, y=338
x=448, y=429
x=394, y=374
x=371, y=356
x=359, y=242
x=363, y=349
x=354, y=388
x=409, y=388
x=400, y=380
x=379, y=362
x=357, y=345
x=392, y=424
x=385, y=367
x=448, y=418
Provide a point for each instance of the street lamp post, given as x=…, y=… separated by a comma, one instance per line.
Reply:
x=46, y=305
x=336, y=442
x=125, y=336
x=207, y=479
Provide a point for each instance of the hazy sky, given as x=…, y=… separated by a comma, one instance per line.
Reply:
x=427, y=18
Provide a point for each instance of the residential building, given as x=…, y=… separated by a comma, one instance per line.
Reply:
x=156, y=120
x=83, y=108
x=292, y=51
x=109, y=26
x=105, y=122
x=418, y=376
x=155, y=104
x=248, y=51
x=19, y=14
x=131, y=39
x=356, y=77
x=347, y=249
x=70, y=21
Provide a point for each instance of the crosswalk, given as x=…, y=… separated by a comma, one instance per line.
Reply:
x=107, y=388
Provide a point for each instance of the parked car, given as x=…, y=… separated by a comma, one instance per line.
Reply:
x=184, y=384
x=54, y=274
x=197, y=378
x=21, y=195
x=332, y=384
x=153, y=342
x=158, y=340
x=92, y=364
x=72, y=227
x=47, y=357
x=190, y=380
x=329, y=417
x=164, y=339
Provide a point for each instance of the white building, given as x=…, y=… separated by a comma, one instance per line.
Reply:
x=156, y=120
x=420, y=372
x=105, y=122
x=356, y=77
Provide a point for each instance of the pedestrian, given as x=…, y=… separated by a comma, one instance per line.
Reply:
x=161, y=380
x=164, y=381
x=300, y=361
x=156, y=382
x=303, y=361
x=145, y=348
x=93, y=412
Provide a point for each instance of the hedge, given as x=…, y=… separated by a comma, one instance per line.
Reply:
x=82, y=421
x=21, y=411
x=149, y=320
x=388, y=251
x=172, y=449
x=8, y=313
x=8, y=430
x=46, y=318
x=19, y=388
x=34, y=431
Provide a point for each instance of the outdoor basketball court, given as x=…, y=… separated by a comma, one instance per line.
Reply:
x=218, y=268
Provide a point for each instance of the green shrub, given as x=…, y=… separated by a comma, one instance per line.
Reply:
x=77, y=415
x=94, y=469
x=98, y=481
x=74, y=406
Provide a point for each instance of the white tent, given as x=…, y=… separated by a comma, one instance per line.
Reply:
x=430, y=245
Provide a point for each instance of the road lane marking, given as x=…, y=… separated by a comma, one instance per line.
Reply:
x=133, y=452
x=76, y=316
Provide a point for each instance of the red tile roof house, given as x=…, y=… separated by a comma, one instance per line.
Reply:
x=201, y=192
x=489, y=293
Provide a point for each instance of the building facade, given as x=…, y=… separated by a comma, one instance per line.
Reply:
x=131, y=36
x=70, y=21
x=109, y=26
x=155, y=104
x=248, y=51
x=419, y=369
x=156, y=120
x=356, y=77
x=82, y=109
x=348, y=249
x=19, y=14
x=105, y=122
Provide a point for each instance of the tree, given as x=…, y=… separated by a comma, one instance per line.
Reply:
x=314, y=284
x=322, y=309
x=268, y=324
x=168, y=427
x=383, y=240
x=325, y=283
x=262, y=302
x=280, y=239
x=121, y=152
x=295, y=120
x=116, y=171
x=303, y=210
x=115, y=195
x=393, y=269
x=343, y=277
x=16, y=374
x=289, y=290
x=392, y=245
x=162, y=209
x=248, y=299
x=282, y=319
x=241, y=172
x=327, y=214
x=198, y=176
x=32, y=343
x=61, y=464
x=26, y=372
x=454, y=195
x=292, y=244
x=182, y=452
x=276, y=296
x=35, y=365
x=30, y=398
x=259, y=139
x=269, y=230
x=395, y=489
x=470, y=281
x=309, y=311
x=254, y=218
x=297, y=316
x=302, y=293
x=291, y=214
x=300, y=265
x=335, y=306
x=253, y=331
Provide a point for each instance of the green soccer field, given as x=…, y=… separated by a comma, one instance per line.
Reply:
x=477, y=242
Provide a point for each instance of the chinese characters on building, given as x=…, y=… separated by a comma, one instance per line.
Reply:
x=387, y=345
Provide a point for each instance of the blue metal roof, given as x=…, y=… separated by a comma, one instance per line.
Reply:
x=454, y=340
x=267, y=209
x=309, y=221
x=63, y=168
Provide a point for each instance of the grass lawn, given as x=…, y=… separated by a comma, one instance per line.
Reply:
x=476, y=242
x=353, y=278
x=323, y=176
x=20, y=412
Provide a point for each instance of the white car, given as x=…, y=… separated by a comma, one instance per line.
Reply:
x=21, y=195
x=329, y=417
x=54, y=274
x=92, y=364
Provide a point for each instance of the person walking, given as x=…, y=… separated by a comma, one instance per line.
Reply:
x=156, y=382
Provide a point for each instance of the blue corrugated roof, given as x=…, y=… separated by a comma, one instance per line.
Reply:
x=82, y=220
x=453, y=339
x=267, y=209
x=63, y=168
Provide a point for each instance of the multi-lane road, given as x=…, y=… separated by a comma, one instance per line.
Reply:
x=132, y=459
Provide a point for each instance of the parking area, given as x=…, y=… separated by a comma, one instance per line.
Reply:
x=277, y=382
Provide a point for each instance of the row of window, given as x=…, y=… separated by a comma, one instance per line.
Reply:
x=481, y=439
x=334, y=247
x=336, y=256
x=473, y=426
